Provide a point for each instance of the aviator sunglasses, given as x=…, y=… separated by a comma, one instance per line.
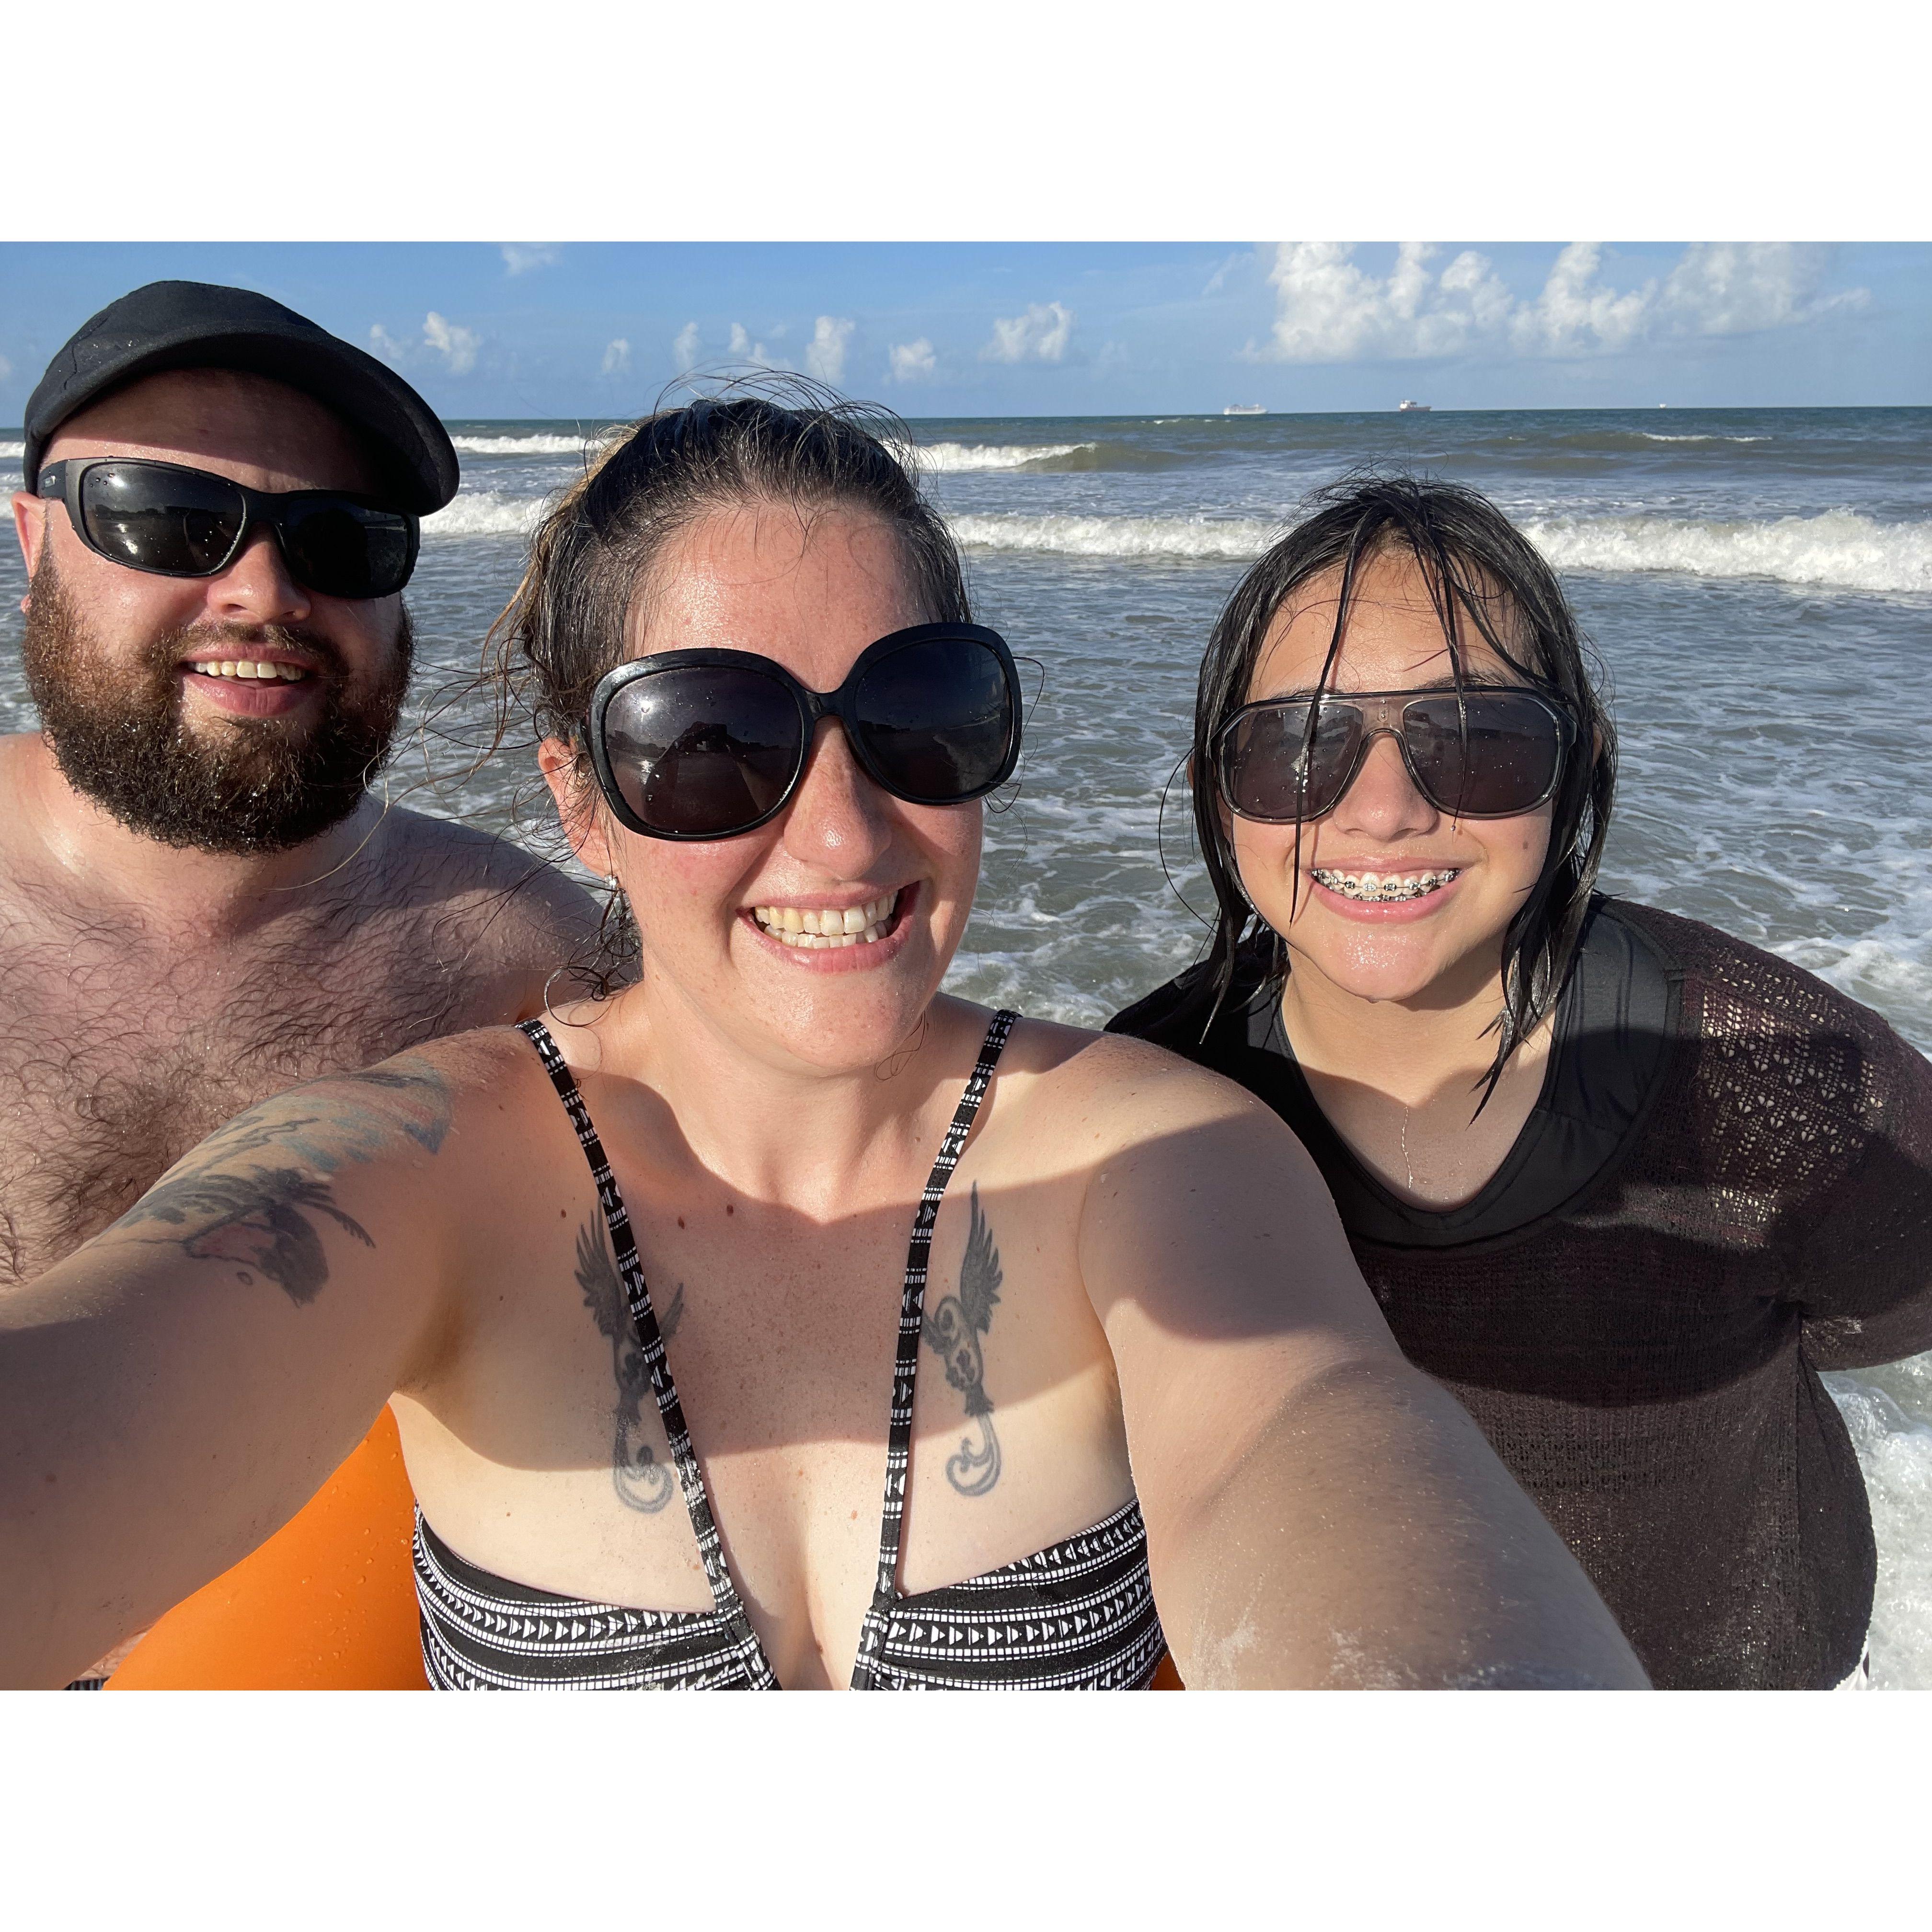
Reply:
x=1484, y=753
x=172, y=521
x=706, y=744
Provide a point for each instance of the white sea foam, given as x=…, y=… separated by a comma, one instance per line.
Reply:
x=1839, y=550
x=942, y=457
x=526, y=445
x=12, y=452
x=1888, y=1412
x=1234, y=538
x=1651, y=436
x=487, y=513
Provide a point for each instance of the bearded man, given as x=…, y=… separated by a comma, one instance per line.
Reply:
x=201, y=903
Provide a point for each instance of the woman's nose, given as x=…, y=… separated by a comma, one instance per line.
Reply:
x=839, y=820
x=1382, y=803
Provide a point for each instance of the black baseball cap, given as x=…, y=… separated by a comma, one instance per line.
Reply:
x=201, y=325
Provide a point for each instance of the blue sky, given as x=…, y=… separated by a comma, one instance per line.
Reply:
x=584, y=329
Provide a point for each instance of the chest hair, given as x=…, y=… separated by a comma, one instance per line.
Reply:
x=118, y=1053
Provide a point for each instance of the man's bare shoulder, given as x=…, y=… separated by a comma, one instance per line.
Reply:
x=521, y=916
x=465, y=858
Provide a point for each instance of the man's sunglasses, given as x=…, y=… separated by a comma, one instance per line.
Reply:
x=1482, y=754
x=706, y=744
x=173, y=521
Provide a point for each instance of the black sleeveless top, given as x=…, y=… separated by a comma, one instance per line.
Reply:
x=1079, y=1616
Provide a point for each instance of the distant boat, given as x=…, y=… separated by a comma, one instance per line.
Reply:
x=1245, y=410
x=1412, y=408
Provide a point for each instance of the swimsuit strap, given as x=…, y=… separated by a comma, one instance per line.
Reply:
x=644, y=1321
x=905, y=1367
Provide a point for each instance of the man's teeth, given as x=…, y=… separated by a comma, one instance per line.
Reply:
x=286, y=673
x=808, y=928
x=1385, y=888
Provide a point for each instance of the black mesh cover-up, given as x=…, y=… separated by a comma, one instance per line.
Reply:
x=1726, y=1185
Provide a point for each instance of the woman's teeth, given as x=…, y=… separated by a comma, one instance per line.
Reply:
x=1384, y=888
x=808, y=928
x=287, y=673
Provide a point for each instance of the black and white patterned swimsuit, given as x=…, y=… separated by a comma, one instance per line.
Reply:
x=1079, y=1616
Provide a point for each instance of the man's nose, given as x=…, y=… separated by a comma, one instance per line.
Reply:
x=257, y=588
x=1383, y=802
x=839, y=820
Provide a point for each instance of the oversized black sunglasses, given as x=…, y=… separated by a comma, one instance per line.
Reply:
x=1482, y=753
x=173, y=521
x=706, y=744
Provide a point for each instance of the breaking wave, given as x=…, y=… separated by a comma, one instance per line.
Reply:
x=12, y=452
x=1839, y=550
x=1231, y=539
x=942, y=458
x=487, y=513
x=527, y=445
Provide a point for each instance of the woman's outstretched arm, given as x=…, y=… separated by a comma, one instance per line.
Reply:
x=175, y=1390
x=1319, y=1512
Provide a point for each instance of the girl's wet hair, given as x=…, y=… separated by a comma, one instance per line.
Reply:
x=773, y=440
x=1480, y=571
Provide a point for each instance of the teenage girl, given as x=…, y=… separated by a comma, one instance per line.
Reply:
x=1622, y=1183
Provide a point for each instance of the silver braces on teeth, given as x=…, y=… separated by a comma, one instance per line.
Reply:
x=1385, y=888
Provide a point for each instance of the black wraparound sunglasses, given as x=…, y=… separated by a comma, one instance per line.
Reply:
x=707, y=744
x=1481, y=753
x=171, y=520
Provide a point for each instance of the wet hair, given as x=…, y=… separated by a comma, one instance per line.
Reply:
x=1481, y=571
x=769, y=440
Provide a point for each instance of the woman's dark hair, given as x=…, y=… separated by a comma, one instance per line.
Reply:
x=786, y=441
x=1481, y=570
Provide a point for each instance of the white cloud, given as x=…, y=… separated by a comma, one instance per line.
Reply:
x=1329, y=309
x=385, y=344
x=826, y=357
x=521, y=257
x=617, y=357
x=1731, y=288
x=912, y=360
x=684, y=345
x=744, y=350
x=1042, y=332
x=6, y=368
x=457, y=346
x=1218, y=280
x=1576, y=313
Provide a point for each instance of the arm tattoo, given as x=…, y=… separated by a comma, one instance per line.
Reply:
x=255, y=1213
x=642, y=1483
x=953, y=1330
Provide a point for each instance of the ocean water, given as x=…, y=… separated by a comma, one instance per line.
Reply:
x=1757, y=584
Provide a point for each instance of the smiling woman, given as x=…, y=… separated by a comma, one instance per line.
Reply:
x=1622, y=1183
x=1169, y=1413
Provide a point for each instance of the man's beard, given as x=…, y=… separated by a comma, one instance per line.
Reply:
x=244, y=784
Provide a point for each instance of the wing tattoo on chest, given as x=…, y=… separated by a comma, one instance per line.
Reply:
x=953, y=1331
